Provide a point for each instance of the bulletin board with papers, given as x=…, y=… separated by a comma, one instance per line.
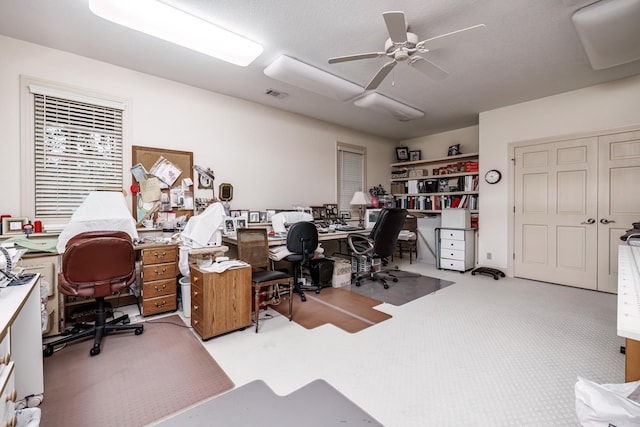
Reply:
x=165, y=179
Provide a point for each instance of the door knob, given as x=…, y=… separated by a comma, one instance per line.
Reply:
x=589, y=221
x=605, y=221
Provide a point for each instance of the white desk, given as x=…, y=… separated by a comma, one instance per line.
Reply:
x=20, y=345
x=629, y=308
x=278, y=241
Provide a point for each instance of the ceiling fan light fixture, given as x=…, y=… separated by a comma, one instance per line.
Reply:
x=307, y=77
x=165, y=22
x=609, y=31
x=389, y=107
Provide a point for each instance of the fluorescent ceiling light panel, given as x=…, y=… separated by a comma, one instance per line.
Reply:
x=610, y=32
x=387, y=106
x=310, y=78
x=173, y=25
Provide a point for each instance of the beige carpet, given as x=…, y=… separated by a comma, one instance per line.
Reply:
x=346, y=310
x=134, y=381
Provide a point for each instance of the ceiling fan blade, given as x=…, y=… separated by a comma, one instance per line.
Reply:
x=396, y=25
x=451, y=38
x=382, y=73
x=428, y=68
x=346, y=58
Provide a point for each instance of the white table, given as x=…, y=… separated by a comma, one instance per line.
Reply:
x=20, y=344
x=629, y=308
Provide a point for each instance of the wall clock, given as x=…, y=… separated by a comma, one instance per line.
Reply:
x=492, y=176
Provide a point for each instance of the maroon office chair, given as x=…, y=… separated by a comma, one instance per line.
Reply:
x=97, y=264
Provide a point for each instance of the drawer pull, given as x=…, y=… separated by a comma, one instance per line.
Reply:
x=5, y=359
x=11, y=397
x=160, y=255
x=164, y=270
x=195, y=279
x=158, y=288
x=196, y=293
x=160, y=304
x=195, y=322
x=195, y=308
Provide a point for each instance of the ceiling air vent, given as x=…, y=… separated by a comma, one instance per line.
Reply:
x=276, y=94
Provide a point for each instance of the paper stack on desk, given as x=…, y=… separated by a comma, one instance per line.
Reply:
x=277, y=253
x=219, y=267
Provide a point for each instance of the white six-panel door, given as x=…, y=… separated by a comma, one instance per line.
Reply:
x=556, y=212
x=573, y=201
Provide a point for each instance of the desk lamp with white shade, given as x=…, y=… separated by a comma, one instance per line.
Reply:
x=361, y=200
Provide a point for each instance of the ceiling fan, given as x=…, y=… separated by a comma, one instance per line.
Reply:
x=402, y=46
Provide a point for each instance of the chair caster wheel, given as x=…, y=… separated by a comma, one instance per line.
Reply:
x=138, y=331
x=395, y=279
x=386, y=286
x=358, y=283
x=94, y=351
x=48, y=351
x=317, y=291
x=303, y=298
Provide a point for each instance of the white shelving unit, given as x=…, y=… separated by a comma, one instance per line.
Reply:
x=416, y=187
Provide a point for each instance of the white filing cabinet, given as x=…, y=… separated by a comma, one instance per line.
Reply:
x=455, y=248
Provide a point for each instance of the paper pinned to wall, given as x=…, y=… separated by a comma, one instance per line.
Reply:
x=150, y=189
x=165, y=170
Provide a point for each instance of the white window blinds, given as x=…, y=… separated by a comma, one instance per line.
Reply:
x=77, y=149
x=350, y=175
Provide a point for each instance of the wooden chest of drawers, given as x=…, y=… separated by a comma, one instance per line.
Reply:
x=159, y=271
x=220, y=302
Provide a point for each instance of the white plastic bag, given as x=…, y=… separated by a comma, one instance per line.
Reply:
x=607, y=404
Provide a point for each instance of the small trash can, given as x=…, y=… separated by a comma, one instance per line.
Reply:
x=185, y=291
x=321, y=271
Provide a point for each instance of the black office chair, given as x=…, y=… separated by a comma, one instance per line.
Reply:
x=377, y=247
x=97, y=264
x=302, y=241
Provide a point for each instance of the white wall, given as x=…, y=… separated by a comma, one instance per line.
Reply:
x=274, y=159
x=437, y=145
x=607, y=106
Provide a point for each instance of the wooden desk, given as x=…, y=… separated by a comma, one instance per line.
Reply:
x=21, y=369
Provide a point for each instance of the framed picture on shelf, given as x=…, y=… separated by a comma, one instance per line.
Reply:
x=402, y=154
x=229, y=226
x=13, y=225
x=254, y=216
x=240, y=222
x=454, y=150
x=414, y=155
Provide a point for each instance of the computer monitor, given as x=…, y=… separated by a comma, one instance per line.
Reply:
x=371, y=216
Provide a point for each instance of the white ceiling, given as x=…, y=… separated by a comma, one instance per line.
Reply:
x=531, y=50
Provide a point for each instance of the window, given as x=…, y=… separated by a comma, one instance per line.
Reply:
x=351, y=173
x=74, y=146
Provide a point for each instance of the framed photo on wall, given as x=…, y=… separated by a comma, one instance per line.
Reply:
x=402, y=154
